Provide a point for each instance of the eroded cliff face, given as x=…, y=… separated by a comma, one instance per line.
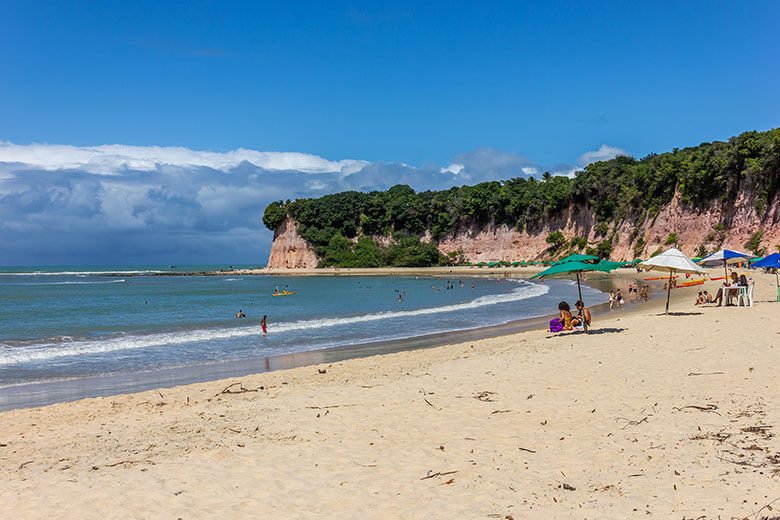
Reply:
x=289, y=250
x=719, y=225
x=739, y=220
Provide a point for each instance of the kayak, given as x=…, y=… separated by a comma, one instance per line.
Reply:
x=691, y=283
x=283, y=293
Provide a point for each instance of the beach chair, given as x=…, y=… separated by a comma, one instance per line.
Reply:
x=745, y=297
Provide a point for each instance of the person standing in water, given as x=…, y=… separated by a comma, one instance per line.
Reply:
x=263, y=324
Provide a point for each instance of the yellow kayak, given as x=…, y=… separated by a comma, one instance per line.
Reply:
x=283, y=293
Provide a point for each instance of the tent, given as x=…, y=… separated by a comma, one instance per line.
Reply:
x=573, y=267
x=724, y=256
x=671, y=261
x=771, y=262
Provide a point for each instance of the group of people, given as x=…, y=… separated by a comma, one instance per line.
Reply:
x=263, y=322
x=731, y=289
x=567, y=321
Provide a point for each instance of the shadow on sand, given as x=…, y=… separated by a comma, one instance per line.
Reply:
x=680, y=314
x=604, y=330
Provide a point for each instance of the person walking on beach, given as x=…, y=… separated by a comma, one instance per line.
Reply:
x=611, y=300
x=263, y=324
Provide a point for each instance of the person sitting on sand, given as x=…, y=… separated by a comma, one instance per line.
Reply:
x=565, y=315
x=701, y=299
x=583, y=316
x=707, y=297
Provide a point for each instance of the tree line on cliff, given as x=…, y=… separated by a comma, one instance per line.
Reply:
x=341, y=226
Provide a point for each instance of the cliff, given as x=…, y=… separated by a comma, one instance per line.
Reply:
x=289, y=250
x=719, y=225
x=693, y=228
x=698, y=199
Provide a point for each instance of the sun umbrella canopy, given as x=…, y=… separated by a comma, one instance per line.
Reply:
x=727, y=255
x=671, y=260
x=576, y=268
x=577, y=258
x=769, y=262
x=573, y=267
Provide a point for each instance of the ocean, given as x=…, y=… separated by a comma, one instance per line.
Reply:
x=67, y=323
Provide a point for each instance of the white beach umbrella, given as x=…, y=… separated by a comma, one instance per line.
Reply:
x=671, y=261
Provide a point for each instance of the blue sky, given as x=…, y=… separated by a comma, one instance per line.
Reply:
x=404, y=89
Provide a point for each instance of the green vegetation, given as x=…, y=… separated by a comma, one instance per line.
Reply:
x=639, y=246
x=556, y=240
x=620, y=189
x=578, y=243
x=672, y=240
x=754, y=244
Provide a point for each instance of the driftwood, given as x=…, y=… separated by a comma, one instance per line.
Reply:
x=485, y=396
x=23, y=464
x=437, y=474
x=526, y=449
x=127, y=462
x=329, y=406
x=632, y=423
x=241, y=389
x=706, y=408
x=706, y=373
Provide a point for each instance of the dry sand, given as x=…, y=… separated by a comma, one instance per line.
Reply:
x=649, y=415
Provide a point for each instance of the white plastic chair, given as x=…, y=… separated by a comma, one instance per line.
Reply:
x=745, y=297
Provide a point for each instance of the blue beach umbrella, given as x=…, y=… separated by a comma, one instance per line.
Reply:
x=725, y=256
x=771, y=262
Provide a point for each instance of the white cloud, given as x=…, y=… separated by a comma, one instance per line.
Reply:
x=604, y=153
x=454, y=168
x=111, y=159
x=62, y=204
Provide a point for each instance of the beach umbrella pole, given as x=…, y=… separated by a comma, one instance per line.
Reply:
x=579, y=291
x=725, y=269
x=669, y=290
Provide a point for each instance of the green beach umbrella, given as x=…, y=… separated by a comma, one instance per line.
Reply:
x=576, y=257
x=576, y=268
x=613, y=265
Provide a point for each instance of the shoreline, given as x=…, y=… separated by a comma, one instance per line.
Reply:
x=44, y=393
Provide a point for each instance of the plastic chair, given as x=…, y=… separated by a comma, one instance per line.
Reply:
x=745, y=297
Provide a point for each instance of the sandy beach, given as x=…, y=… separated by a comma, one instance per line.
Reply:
x=648, y=415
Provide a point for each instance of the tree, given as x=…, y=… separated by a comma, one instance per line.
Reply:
x=754, y=243
x=672, y=240
x=275, y=213
x=556, y=239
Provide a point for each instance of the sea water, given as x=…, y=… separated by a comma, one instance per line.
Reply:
x=64, y=323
